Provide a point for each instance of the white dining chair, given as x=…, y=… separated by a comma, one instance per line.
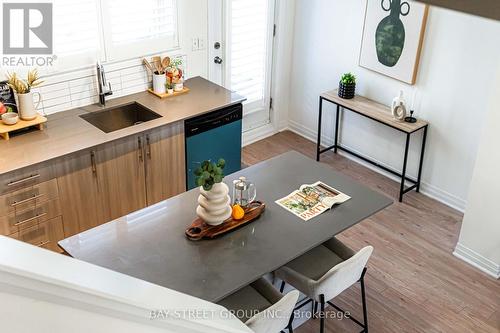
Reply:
x=324, y=272
x=262, y=307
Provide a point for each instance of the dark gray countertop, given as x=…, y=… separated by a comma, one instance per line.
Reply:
x=67, y=133
x=150, y=244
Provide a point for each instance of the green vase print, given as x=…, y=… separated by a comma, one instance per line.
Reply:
x=390, y=34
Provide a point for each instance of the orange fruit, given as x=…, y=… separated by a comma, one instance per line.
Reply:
x=238, y=212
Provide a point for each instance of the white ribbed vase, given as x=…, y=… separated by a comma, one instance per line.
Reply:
x=214, y=206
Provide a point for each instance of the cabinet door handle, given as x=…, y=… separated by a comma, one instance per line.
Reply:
x=141, y=157
x=148, y=144
x=24, y=180
x=34, y=197
x=92, y=161
x=30, y=219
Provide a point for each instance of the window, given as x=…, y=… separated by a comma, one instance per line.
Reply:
x=77, y=40
x=140, y=27
x=250, y=28
x=141, y=20
x=112, y=30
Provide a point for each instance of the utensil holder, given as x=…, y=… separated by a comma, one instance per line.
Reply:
x=159, y=83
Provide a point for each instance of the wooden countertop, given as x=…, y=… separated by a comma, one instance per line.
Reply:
x=373, y=110
x=67, y=133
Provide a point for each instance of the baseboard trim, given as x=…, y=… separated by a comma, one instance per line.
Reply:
x=258, y=134
x=425, y=188
x=475, y=259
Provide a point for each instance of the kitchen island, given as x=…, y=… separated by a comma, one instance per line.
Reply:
x=150, y=244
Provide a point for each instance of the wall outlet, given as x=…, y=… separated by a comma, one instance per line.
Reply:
x=195, y=44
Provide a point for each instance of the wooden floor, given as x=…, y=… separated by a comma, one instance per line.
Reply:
x=414, y=283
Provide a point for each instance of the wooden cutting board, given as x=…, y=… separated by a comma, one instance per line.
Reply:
x=6, y=129
x=165, y=95
x=200, y=230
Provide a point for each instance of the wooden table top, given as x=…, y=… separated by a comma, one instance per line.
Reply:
x=150, y=244
x=373, y=110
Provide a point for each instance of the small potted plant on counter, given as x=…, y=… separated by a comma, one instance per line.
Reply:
x=170, y=88
x=214, y=203
x=347, y=86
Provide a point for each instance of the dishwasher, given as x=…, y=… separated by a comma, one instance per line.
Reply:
x=212, y=136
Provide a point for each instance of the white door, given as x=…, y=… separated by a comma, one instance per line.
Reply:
x=241, y=34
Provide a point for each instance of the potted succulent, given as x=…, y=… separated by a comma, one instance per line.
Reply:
x=27, y=109
x=214, y=203
x=170, y=88
x=347, y=86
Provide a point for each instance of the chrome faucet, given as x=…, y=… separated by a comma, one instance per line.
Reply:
x=104, y=87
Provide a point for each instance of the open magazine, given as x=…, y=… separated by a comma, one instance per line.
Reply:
x=311, y=200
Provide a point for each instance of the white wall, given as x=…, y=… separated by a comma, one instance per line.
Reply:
x=479, y=241
x=454, y=82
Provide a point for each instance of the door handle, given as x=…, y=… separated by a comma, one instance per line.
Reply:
x=24, y=180
x=141, y=157
x=218, y=60
x=37, y=216
x=92, y=162
x=148, y=145
x=33, y=197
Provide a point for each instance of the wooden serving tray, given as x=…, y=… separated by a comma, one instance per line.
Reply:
x=200, y=230
x=6, y=129
x=165, y=95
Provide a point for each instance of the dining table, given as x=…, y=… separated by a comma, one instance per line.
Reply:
x=150, y=244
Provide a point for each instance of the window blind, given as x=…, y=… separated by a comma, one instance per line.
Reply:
x=76, y=32
x=111, y=30
x=141, y=20
x=249, y=49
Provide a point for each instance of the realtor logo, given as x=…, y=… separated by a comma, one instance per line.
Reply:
x=27, y=28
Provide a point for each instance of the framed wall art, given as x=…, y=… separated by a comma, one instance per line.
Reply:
x=392, y=38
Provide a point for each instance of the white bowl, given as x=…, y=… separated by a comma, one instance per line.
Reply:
x=10, y=118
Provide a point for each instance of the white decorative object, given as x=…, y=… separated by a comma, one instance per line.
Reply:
x=10, y=118
x=179, y=86
x=398, y=107
x=214, y=206
x=27, y=107
x=159, y=83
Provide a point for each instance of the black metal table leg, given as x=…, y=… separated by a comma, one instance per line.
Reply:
x=403, y=175
x=318, y=145
x=422, y=152
x=337, y=129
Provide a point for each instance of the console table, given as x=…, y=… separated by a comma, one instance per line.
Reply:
x=381, y=114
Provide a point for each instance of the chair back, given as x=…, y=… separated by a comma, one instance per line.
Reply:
x=276, y=317
x=344, y=274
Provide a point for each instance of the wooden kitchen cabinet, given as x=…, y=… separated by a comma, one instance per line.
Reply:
x=45, y=234
x=94, y=186
x=165, y=163
x=78, y=192
x=121, y=179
